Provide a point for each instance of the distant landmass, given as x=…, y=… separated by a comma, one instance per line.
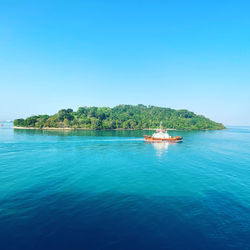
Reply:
x=120, y=117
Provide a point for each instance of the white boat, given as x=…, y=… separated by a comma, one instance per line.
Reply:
x=162, y=135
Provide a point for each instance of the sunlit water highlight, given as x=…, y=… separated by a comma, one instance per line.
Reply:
x=111, y=190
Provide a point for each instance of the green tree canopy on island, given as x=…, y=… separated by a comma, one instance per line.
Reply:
x=121, y=117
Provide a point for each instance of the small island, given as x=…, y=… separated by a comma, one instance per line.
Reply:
x=120, y=117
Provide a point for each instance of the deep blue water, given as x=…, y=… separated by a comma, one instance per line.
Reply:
x=111, y=190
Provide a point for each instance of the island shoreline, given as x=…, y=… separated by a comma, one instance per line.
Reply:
x=116, y=129
x=51, y=128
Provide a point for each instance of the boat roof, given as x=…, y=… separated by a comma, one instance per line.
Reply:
x=160, y=130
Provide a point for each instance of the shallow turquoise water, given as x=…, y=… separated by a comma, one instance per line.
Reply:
x=111, y=190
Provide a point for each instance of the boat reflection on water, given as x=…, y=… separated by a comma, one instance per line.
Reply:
x=160, y=147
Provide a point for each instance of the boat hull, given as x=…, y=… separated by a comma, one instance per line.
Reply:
x=172, y=139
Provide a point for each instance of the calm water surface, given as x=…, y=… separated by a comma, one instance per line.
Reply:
x=111, y=190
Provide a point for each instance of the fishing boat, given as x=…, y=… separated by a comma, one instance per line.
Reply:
x=162, y=135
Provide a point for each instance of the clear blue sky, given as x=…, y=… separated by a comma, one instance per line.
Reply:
x=178, y=54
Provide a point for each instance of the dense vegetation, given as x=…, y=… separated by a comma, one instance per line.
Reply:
x=120, y=117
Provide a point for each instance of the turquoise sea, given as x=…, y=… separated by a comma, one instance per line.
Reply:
x=111, y=190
